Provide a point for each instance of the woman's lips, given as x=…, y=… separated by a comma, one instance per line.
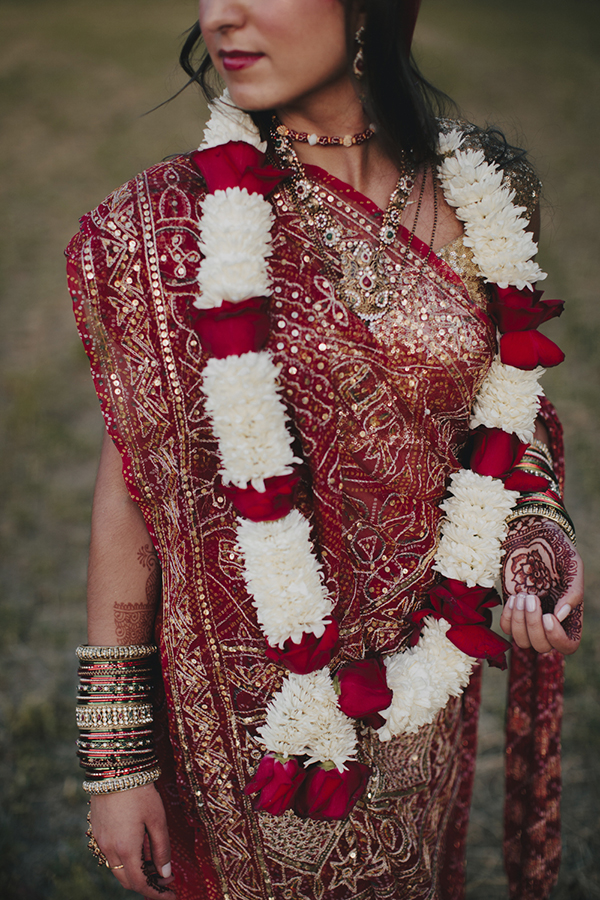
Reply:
x=238, y=59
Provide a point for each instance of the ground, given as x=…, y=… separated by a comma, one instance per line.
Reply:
x=76, y=78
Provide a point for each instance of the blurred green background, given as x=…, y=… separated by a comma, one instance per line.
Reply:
x=76, y=77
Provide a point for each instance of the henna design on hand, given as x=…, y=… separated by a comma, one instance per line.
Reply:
x=538, y=560
x=573, y=624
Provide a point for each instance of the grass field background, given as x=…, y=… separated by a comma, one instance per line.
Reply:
x=75, y=79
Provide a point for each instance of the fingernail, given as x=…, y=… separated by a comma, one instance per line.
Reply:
x=548, y=622
x=511, y=602
x=563, y=612
x=166, y=870
x=520, y=601
x=531, y=603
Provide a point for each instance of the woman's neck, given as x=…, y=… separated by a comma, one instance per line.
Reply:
x=338, y=111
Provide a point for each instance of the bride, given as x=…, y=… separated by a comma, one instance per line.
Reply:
x=315, y=345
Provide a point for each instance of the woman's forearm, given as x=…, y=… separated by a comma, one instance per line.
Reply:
x=123, y=573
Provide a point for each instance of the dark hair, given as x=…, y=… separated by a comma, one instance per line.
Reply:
x=396, y=96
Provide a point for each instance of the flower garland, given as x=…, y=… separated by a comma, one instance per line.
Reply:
x=309, y=730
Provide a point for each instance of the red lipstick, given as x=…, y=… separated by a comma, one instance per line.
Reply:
x=238, y=59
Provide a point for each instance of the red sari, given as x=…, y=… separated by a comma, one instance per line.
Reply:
x=380, y=401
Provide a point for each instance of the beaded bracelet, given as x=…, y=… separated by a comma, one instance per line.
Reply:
x=122, y=782
x=133, y=651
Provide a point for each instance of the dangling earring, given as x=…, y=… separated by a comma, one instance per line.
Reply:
x=358, y=66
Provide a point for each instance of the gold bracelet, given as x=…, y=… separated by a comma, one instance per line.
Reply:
x=114, y=716
x=122, y=782
x=133, y=651
x=547, y=512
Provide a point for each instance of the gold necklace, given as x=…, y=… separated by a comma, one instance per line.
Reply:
x=368, y=281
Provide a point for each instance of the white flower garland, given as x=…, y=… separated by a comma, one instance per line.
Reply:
x=284, y=577
x=495, y=228
x=250, y=422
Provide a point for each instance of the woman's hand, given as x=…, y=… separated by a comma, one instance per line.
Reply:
x=120, y=823
x=542, y=580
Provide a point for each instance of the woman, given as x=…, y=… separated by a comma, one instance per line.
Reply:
x=289, y=352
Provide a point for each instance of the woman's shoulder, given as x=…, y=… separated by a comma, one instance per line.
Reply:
x=519, y=174
x=174, y=184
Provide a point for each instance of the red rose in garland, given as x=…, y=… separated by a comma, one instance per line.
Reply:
x=363, y=689
x=276, y=784
x=496, y=453
x=276, y=501
x=232, y=328
x=310, y=654
x=515, y=310
x=237, y=164
x=468, y=612
x=329, y=794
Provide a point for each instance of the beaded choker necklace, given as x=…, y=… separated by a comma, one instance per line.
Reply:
x=324, y=140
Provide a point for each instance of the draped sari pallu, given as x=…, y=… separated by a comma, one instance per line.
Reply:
x=379, y=399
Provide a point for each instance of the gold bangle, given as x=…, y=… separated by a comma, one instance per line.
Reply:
x=122, y=782
x=112, y=717
x=546, y=512
x=545, y=449
x=133, y=651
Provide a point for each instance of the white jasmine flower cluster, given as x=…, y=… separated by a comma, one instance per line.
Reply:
x=423, y=679
x=284, y=578
x=304, y=718
x=450, y=142
x=235, y=241
x=248, y=418
x=509, y=399
x=470, y=547
x=229, y=123
x=495, y=228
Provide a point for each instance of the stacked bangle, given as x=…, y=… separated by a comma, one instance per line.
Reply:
x=547, y=504
x=114, y=715
x=537, y=461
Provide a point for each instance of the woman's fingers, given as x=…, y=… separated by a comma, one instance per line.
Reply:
x=527, y=626
x=134, y=877
x=506, y=617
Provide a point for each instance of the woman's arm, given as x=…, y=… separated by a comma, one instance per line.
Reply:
x=123, y=593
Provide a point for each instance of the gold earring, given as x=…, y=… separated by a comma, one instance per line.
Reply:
x=358, y=66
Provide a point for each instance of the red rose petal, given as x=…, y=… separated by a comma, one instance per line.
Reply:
x=477, y=641
x=528, y=349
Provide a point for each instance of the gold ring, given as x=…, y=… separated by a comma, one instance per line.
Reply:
x=112, y=868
